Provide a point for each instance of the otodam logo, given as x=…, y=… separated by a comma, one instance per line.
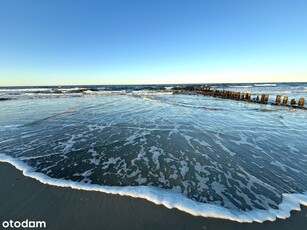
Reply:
x=24, y=224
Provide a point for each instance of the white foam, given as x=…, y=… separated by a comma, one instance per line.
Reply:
x=24, y=89
x=141, y=180
x=218, y=142
x=87, y=173
x=265, y=85
x=240, y=86
x=284, y=167
x=9, y=127
x=156, y=153
x=184, y=169
x=171, y=199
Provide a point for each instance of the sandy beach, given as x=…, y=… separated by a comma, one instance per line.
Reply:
x=24, y=198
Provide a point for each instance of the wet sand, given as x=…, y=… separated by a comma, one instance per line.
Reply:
x=24, y=198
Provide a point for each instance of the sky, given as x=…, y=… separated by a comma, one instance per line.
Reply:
x=57, y=42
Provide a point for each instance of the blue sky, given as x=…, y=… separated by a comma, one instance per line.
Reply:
x=162, y=41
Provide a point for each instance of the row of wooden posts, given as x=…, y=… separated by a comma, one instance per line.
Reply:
x=243, y=96
x=247, y=97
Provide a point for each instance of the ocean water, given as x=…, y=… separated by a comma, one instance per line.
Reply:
x=203, y=155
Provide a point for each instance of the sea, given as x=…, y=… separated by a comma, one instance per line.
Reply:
x=203, y=155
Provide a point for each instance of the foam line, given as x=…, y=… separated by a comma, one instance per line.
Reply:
x=69, y=110
x=265, y=85
x=171, y=199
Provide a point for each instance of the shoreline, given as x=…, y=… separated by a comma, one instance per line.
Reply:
x=24, y=198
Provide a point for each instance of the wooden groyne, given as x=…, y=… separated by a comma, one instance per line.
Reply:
x=244, y=96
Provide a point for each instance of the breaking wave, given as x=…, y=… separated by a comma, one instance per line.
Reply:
x=171, y=199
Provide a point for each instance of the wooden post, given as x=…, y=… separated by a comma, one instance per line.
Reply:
x=257, y=98
x=242, y=96
x=301, y=102
x=238, y=96
x=285, y=100
x=266, y=98
x=278, y=100
x=226, y=94
x=293, y=102
x=248, y=96
x=262, y=98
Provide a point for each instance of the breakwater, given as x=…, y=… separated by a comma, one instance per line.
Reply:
x=280, y=100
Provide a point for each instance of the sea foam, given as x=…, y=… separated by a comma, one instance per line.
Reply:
x=171, y=199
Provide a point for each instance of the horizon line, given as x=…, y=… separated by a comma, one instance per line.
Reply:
x=118, y=84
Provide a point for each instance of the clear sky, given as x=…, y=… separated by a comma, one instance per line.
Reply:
x=55, y=42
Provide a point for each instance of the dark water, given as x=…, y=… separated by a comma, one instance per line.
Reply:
x=231, y=154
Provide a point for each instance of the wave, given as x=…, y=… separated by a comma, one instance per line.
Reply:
x=284, y=110
x=27, y=91
x=174, y=103
x=9, y=127
x=22, y=89
x=240, y=86
x=169, y=198
x=265, y=85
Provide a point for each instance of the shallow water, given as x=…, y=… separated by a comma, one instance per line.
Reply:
x=230, y=154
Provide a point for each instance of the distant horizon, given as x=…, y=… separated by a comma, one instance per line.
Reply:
x=203, y=83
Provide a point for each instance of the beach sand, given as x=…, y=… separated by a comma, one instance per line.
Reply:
x=24, y=198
